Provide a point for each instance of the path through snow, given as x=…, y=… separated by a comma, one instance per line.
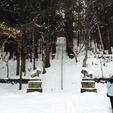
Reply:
x=68, y=74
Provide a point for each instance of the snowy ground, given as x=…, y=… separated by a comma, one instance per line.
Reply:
x=53, y=99
x=14, y=101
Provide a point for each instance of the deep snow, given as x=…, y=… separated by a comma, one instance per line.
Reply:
x=14, y=101
x=53, y=99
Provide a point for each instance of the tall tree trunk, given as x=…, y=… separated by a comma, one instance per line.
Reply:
x=18, y=58
x=53, y=46
x=78, y=41
x=34, y=45
x=86, y=49
x=108, y=40
x=24, y=59
x=44, y=68
x=7, y=65
x=40, y=41
x=100, y=36
x=20, y=83
x=69, y=32
x=34, y=64
x=47, y=56
x=31, y=48
x=95, y=45
x=43, y=55
x=21, y=70
x=36, y=48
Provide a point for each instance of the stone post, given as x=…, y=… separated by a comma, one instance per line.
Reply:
x=35, y=84
x=88, y=83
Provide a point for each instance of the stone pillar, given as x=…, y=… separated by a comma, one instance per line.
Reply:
x=88, y=83
x=35, y=84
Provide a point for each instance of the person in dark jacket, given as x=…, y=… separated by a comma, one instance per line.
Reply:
x=110, y=91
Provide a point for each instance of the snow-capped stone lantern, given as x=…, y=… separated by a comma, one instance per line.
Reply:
x=88, y=83
x=35, y=83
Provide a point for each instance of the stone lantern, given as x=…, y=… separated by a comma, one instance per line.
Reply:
x=88, y=83
x=35, y=84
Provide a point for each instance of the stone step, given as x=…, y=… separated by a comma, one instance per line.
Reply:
x=34, y=90
x=88, y=90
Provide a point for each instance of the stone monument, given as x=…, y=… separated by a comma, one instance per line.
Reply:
x=88, y=83
x=35, y=84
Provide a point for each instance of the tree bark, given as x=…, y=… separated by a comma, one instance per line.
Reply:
x=78, y=41
x=86, y=49
x=21, y=70
x=7, y=65
x=22, y=63
x=24, y=59
x=47, y=55
x=53, y=44
x=108, y=40
x=18, y=57
x=36, y=48
x=100, y=36
x=20, y=83
x=47, y=60
x=31, y=48
x=43, y=55
x=69, y=34
x=34, y=45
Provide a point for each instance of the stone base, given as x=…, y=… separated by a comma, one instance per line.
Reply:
x=88, y=84
x=34, y=84
x=88, y=90
x=34, y=90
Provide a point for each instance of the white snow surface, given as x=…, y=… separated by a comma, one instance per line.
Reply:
x=14, y=101
x=53, y=99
